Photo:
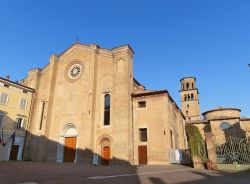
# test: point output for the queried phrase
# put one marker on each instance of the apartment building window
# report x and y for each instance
(4, 98)
(20, 122)
(1, 120)
(143, 135)
(107, 109)
(142, 104)
(23, 103)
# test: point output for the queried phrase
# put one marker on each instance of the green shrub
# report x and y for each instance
(196, 142)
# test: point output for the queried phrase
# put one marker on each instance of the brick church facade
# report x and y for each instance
(87, 102)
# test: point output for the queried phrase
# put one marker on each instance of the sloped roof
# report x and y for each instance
(16, 84)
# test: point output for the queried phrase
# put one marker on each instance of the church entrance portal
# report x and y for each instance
(69, 149)
(67, 146)
(105, 151)
(105, 155)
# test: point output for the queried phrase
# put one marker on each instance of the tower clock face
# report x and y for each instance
(75, 71)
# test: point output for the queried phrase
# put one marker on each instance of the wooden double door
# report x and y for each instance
(69, 149)
(105, 155)
(143, 155)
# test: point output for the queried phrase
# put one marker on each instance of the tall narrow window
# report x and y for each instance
(143, 135)
(192, 96)
(171, 139)
(41, 118)
(107, 109)
(187, 85)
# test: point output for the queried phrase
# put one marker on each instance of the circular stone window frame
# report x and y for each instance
(69, 66)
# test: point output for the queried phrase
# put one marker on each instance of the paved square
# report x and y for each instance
(52, 173)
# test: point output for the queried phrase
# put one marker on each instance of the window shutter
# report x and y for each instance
(2, 98)
(6, 98)
(23, 103)
(16, 125)
(20, 105)
(1, 120)
(24, 123)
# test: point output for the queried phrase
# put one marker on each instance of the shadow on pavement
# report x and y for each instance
(41, 155)
(205, 177)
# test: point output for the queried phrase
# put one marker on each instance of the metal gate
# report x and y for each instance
(234, 150)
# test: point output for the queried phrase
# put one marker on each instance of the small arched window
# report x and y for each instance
(187, 85)
(189, 97)
(107, 109)
(224, 125)
(192, 96)
(185, 97)
(192, 85)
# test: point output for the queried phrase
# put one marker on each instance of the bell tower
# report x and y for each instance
(190, 104)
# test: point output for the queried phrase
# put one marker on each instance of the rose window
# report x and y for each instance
(75, 71)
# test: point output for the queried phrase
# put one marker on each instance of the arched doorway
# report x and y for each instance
(66, 151)
(69, 149)
(105, 151)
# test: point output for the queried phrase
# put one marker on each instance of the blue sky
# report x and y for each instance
(208, 39)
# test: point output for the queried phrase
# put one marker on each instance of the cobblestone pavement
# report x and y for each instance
(52, 173)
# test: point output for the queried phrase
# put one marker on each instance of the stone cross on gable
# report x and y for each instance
(77, 39)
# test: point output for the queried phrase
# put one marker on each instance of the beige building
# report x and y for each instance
(222, 122)
(87, 103)
(15, 101)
